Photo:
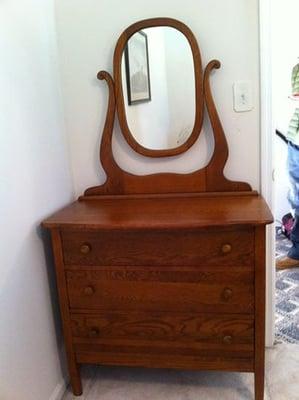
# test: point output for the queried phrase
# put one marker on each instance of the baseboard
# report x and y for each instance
(59, 390)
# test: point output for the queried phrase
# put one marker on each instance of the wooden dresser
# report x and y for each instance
(164, 270)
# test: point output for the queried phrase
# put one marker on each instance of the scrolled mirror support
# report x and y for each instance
(209, 179)
(216, 181)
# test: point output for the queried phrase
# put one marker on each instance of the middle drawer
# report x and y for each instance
(162, 289)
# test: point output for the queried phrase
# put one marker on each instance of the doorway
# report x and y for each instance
(279, 54)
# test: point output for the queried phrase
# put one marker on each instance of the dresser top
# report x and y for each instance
(162, 213)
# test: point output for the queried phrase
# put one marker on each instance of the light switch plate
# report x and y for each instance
(243, 96)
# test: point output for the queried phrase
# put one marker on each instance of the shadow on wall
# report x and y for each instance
(32, 339)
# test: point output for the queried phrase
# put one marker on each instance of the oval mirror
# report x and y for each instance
(160, 107)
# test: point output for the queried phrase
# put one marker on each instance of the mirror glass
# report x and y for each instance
(159, 87)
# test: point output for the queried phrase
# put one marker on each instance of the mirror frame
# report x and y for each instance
(198, 78)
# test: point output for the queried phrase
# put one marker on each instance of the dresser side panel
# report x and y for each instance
(65, 314)
(260, 300)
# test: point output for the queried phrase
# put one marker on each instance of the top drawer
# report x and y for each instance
(190, 248)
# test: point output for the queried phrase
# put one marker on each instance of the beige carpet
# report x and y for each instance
(282, 382)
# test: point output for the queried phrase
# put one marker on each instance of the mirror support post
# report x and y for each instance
(215, 179)
(210, 179)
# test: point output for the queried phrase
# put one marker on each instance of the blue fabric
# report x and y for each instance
(293, 169)
(294, 250)
(293, 196)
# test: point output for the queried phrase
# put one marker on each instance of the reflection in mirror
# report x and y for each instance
(159, 87)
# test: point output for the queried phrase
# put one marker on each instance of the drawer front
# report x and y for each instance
(162, 289)
(225, 331)
(207, 248)
(187, 336)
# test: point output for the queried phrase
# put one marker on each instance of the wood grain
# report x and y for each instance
(183, 349)
(208, 179)
(166, 213)
(215, 179)
(73, 366)
(165, 328)
(159, 248)
(260, 299)
(90, 355)
(163, 270)
(201, 295)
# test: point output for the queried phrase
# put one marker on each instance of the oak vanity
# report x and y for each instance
(162, 270)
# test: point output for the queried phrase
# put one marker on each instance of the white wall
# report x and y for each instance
(149, 131)
(87, 33)
(285, 55)
(34, 181)
(157, 124)
(181, 86)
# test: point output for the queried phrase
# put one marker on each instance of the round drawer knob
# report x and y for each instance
(226, 248)
(227, 339)
(85, 248)
(94, 332)
(88, 290)
(227, 294)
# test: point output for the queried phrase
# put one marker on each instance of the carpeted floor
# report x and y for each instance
(287, 298)
(113, 383)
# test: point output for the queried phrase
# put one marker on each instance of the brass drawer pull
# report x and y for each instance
(227, 339)
(85, 248)
(94, 332)
(88, 290)
(227, 294)
(226, 248)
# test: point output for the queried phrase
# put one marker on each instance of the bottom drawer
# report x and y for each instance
(165, 340)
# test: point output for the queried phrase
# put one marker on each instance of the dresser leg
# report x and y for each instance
(259, 384)
(75, 379)
(260, 290)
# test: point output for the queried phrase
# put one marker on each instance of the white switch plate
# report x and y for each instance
(242, 96)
